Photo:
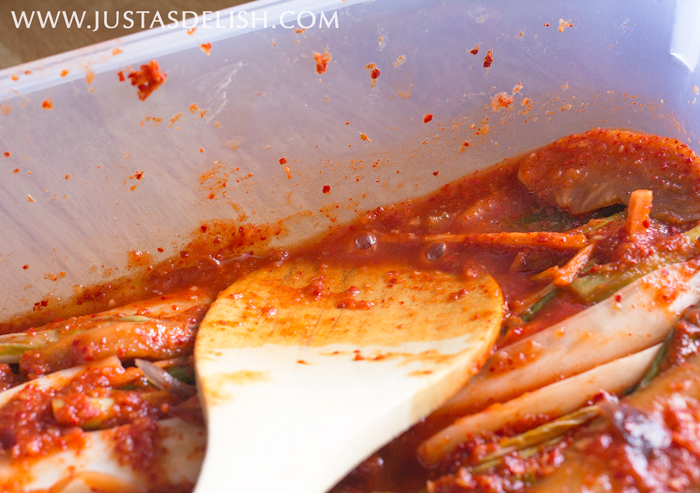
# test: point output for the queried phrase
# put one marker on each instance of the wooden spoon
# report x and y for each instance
(304, 370)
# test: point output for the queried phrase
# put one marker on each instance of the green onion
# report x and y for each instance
(594, 288)
(547, 433)
(655, 366)
(538, 305)
(597, 224)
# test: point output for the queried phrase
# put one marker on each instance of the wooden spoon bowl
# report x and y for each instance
(304, 370)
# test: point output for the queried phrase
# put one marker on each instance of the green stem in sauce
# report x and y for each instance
(593, 288)
(553, 432)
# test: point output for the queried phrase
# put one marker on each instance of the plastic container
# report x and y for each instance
(208, 143)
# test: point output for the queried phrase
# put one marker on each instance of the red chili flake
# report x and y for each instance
(283, 160)
(7, 153)
(120, 74)
(347, 123)
(15, 171)
(546, 24)
(68, 176)
(184, 254)
(160, 250)
(435, 173)
(201, 150)
(326, 188)
(148, 79)
(474, 50)
(25, 267)
(64, 73)
(364, 137)
(465, 144)
(302, 362)
(47, 104)
(206, 48)
(191, 31)
(322, 62)
(427, 117)
(203, 228)
(488, 59)
(375, 73)
(618, 298)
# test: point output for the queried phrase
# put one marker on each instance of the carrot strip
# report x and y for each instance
(638, 212)
(566, 274)
(555, 241)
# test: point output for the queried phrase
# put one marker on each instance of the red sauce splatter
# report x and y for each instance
(474, 50)
(435, 173)
(283, 160)
(488, 59)
(120, 74)
(322, 62)
(427, 117)
(116, 51)
(7, 153)
(501, 100)
(191, 31)
(564, 24)
(147, 79)
(206, 48)
(546, 24)
(47, 104)
(326, 188)
(25, 267)
(64, 73)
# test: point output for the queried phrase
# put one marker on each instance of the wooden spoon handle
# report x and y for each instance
(330, 416)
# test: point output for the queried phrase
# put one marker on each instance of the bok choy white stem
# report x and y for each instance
(560, 398)
(634, 319)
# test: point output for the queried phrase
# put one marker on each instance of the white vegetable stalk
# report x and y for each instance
(180, 452)
(58, 379)
(557, 399)
(635, 318)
